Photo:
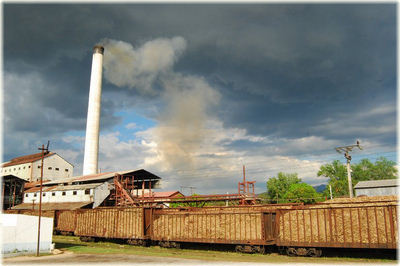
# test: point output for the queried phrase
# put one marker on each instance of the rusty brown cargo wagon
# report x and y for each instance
(65, 222)
(122, 223)
(248, 230)
(347, 226)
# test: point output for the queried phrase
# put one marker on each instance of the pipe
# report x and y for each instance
(90, 161)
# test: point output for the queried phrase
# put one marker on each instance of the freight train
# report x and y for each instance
(295, 229)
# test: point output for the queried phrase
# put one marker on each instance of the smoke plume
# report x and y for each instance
(182, 122)
(125, 66)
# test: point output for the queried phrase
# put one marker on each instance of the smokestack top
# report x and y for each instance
(98, 49)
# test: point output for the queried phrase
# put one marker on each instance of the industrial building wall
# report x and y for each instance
(381, 191)
(20, 233)
(21, 170)
(55, 168)
(48, 197)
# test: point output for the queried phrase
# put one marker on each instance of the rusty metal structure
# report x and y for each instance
(246, 188)
(297, 229)
(126, 186)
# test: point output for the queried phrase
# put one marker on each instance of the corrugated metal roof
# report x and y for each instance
(37, 189)
(34, 184)
(77, 187)
(26, 159)
(63, 188)
(52, 206)
(139, 174)
(377, 183)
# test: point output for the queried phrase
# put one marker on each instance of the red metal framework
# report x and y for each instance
(123, 194)
(123, 187)
(246, 188)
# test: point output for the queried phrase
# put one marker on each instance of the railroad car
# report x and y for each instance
(302, 230)
(306, 230)
(131, 224)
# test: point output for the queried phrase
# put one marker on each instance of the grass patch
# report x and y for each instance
(73, 244)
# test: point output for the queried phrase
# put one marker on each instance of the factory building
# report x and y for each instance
(28, 167)
(89, 191)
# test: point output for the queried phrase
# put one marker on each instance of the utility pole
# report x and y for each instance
(345, 150)
(45, 151)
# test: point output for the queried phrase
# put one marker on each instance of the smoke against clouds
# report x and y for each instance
(187, 98)
(125, 66)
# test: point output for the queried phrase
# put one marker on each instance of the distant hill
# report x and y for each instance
(320, 188)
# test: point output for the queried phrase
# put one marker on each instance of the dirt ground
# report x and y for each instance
(71, 251)
(98, 259)
(70, 258)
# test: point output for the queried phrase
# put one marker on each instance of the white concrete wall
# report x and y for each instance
(54, 162)
(22, 170)
(47, 197)
(100, 194)
(20, 233)
(28, 170)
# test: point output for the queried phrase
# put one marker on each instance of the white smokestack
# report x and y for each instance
(93, 117)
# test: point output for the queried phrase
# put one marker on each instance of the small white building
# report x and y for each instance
(19, 233)
(385, 187)
(94, 193)
(28, 167)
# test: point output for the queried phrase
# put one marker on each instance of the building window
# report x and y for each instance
(29, 166)
(26, 195)
(74, 192)
(57, 169)
(24, 167)
(38, 166)
(34, 194)
(15, 169)
(53, 193)
(87, 191)
(19, 168)
(50, 168)
(66, 170)
(44, 194)
(64, 193)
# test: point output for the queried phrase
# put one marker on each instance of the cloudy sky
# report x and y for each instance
(191, 92)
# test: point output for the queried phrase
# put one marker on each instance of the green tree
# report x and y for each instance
(197, 204)
(362, 171)
(337, 174)
(301, 192)
(278, 186)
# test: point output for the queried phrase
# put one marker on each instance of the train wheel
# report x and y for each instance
(143, 243)
(261, 250)
(291, 252)
(239, 248)
(164, 244)
(314, 252)
(175, 245)
(131, 241)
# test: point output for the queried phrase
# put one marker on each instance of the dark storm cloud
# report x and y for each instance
(283, 70)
